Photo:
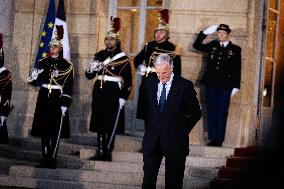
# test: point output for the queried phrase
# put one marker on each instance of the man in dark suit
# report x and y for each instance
(172, 110)
(143, 61)
(222, 78)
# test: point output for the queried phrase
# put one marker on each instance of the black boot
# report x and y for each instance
(99, 156)
(43, 163)
(108, 156)
(52, 164)
(44, 157)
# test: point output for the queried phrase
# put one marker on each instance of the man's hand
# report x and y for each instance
(121, 103)
(210, 30)
(234, 91)
(63, 110)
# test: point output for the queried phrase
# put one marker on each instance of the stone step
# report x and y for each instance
(210, 151)
(65, 161)
(195, 150)
(32, 143)
(92, 176)
(74, 144)
(199, 172)
(26, 182)
(5, 164)
(123, 143)
(129, 160)
(125, 167)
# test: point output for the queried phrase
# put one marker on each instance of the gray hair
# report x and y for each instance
(163, 59)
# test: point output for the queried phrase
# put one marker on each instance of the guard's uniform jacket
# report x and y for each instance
(112, 81)
(5, 97)
(148, 54)
(223, 68)
(56, 87)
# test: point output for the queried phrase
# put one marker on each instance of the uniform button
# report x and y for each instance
(219, 58)
(218, 63)
(217, 68)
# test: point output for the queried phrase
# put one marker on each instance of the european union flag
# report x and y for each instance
(46, 33)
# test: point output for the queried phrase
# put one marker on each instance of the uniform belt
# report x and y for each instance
(52, 86)
(109, 78)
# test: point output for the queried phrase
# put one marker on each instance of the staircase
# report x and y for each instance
(18, 160)
(251, 167)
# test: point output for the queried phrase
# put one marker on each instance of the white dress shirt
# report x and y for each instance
(168, 87)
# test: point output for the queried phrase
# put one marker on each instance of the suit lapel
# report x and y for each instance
(154, 94)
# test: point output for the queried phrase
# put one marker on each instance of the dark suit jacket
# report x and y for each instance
(170, 129)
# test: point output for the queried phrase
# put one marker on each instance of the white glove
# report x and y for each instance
(210, 30)
(142, 69)
(234, 91)
(3, 118)
(121, 103)
(63, 110)
(94, 66)
(34, 75)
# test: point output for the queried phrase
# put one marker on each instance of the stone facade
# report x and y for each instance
(22, 22)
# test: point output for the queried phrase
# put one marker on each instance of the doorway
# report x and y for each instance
(272, 67)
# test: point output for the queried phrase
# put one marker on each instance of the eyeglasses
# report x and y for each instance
(163, 74)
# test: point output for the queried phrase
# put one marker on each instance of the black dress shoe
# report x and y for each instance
(52, 164)
(98, 157)
(108, 157)
(214, 143)
(41, 165)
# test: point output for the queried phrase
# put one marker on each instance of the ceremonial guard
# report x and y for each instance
(111, 72)
(143, 62)
(5, 95)
(222, 78)
(54, 76)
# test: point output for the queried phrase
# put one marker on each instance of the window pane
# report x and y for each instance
(271, 29)
(129, 30)
(273, 4)
(152, 22)
(128, 3)
(154, 2)
(268, 83)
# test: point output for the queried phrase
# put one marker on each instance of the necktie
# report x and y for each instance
(163, 98)
(222, 45)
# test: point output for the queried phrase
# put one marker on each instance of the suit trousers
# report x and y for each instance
(174, 169)
(217, 105)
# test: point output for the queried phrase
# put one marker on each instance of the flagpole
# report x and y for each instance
(32, 33)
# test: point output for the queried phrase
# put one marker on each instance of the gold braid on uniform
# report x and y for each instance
(158, 51)
(115, 64)
(105, 69)
(63, 75)
(5, 80)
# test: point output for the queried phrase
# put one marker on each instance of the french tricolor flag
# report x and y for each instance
(61, 20)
